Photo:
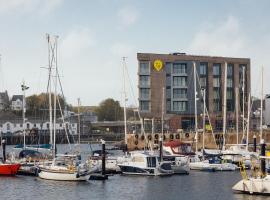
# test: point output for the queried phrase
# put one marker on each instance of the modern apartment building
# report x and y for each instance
(166, 85)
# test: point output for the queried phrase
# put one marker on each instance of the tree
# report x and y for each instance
(109, 110)
(38, 105)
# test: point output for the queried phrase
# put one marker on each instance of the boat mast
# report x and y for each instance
(50, 89)
(261, 117)
(249, 100)
(236, 108)
(125, 99)
(23, 111)
(204, 111)
(195, 106)
(243, 101)
(79, 122)
(162, 115)
(225, 107)
(55, 95)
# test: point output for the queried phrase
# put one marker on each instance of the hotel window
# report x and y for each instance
(216, 82)
(168, 93)
(27, 125)
(144, 93)
(179, 81)
(179, 68)
(168, 105)
(144, 105)
(168, 68)
(216, 94)
(179, 93)
(229, 94)
(144, 67)
(203, 82)
(8, 127)
(145, 81)
(179, 105)
(217, 105)
(203, 68)
(216, 70)
(230, 70)
(229, 83)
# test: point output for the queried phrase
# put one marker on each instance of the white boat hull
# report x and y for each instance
(62, 176)
(253, 186)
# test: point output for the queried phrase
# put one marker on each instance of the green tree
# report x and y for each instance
(109, 110)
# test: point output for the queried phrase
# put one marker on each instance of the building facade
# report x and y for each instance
(4, 101)
(166, 85)
(17, 102)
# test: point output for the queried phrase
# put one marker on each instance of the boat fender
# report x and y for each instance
(142, 137)
(136, 136)
(187, 135)
(171, 136)
(149, 137)
(136, 142)
(77, 175)
(156, 136)
(177, 136)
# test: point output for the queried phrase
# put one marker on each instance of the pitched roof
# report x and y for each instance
(15, 97)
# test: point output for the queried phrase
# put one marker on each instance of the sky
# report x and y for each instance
(94, 35)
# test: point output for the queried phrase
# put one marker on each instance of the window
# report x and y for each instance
(179, 81)
(230, 70)
(168, 93)
(144, 93)
(216, 82)
(179, 105)
(203, 68)
(203, 82)
(145, 81)
(229, 94)
(179, 68)
(216, 94)
(35, 125)
(216, 70)
(217, 105)
(144, 67)
(8, 127)
(179, 93)
(168, 68)
(168, 105)
(27, 125)
(229, 83)
(144, 105)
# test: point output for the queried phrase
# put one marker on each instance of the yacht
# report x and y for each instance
(145, 163)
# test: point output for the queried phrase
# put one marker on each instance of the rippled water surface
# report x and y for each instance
(197, 185)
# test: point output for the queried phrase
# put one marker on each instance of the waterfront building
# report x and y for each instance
(171, 76)
(17, 102)
(4, 101)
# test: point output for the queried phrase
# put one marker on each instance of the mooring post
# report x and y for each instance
(254, 143)
(4, 150)
(263, 159)
(161, 149)
(103, 172)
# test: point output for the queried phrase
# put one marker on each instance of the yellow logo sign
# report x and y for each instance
(158, 65)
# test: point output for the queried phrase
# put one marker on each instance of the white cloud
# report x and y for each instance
(77, 42)
(229, 39)
(128, 16)
(22, 6)
(224, 39)
(121, 49)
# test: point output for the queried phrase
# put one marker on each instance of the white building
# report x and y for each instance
(17, 102)
(266, 112)
(13, 127)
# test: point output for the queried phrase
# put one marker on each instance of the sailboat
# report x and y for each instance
(67, 167)
(204, 161)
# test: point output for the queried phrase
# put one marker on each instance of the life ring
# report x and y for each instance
(136, 142)
(177, 136)
(187, 135)
(142, 137)
(149, 137)
(171, 136)
(136, 136)
(156, 136)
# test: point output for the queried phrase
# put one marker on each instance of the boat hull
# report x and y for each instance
(9, 169)
(253, 186)
(62, 176)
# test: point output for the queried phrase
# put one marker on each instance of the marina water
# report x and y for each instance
(196, 185)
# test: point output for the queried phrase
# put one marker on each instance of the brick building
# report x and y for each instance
(172, 76)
